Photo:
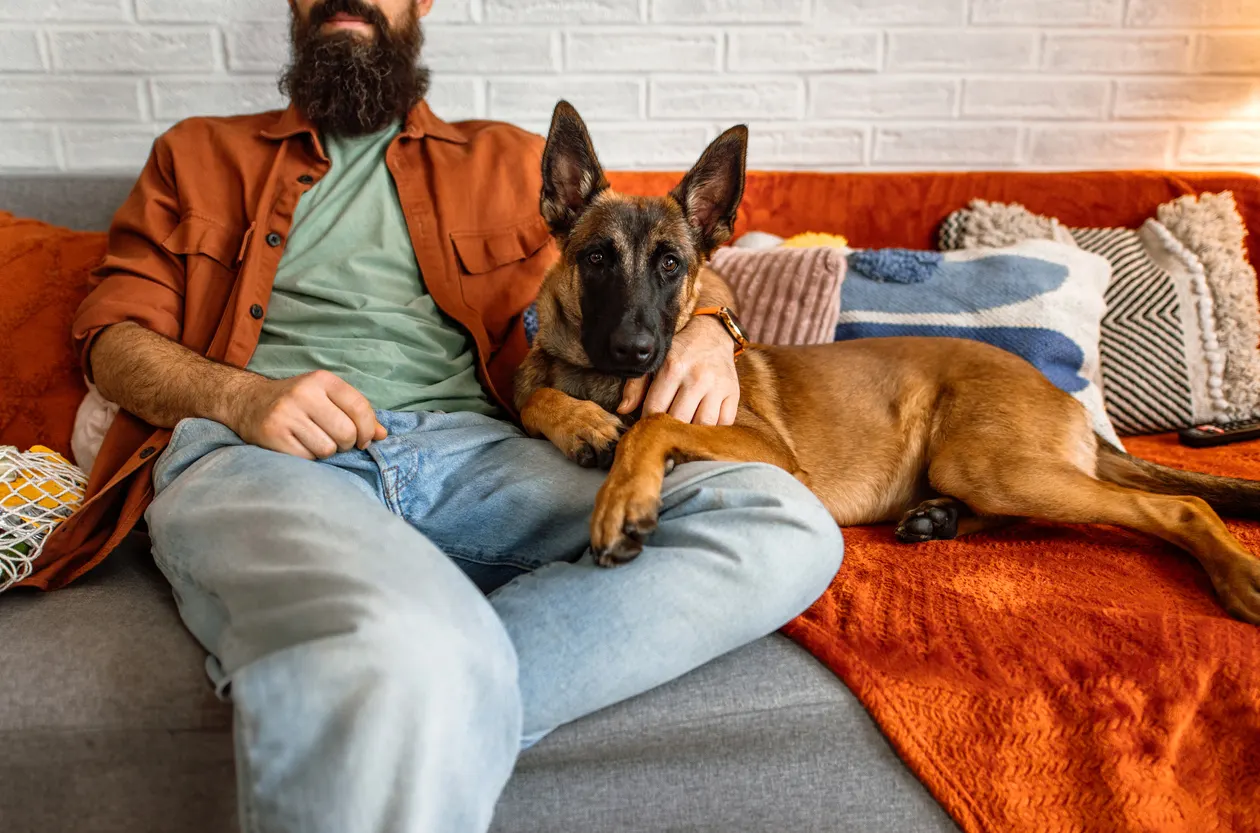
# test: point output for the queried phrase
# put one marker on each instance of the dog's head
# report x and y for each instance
(630, 265)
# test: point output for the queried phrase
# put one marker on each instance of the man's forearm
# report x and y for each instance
(163, 382)
(714, 292)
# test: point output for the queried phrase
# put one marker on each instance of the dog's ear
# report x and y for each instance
(571, 175)
(711, 191)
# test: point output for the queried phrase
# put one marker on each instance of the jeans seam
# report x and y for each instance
(389, 477)
(486, 560)
(245, 782)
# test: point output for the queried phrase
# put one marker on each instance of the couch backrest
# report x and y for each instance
(884, 209)
(879, 210)
(86, 203)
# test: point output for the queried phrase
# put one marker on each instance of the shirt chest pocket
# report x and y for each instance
(501, 270)
(205, 243)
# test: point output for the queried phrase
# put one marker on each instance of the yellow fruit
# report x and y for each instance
(17, 490)
(811, 239)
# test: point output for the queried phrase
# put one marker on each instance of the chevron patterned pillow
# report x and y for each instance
(1165, 360)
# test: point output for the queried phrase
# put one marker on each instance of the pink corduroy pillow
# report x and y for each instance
(785, 296)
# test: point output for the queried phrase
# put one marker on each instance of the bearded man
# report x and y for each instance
(391, 580)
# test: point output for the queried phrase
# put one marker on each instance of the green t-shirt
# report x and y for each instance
(349, 296)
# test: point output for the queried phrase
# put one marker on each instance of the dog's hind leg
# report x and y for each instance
(628, 502)
(942, 519)
(1033, 486)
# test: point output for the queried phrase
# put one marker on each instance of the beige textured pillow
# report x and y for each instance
(785, 296)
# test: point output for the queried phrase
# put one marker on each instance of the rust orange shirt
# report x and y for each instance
(193, 252)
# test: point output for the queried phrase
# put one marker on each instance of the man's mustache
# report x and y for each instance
(323, 12)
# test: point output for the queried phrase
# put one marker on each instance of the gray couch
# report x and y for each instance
(107, 721)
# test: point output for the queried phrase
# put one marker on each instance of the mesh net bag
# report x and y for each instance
(38, 490)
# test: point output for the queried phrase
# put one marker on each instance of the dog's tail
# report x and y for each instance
(1227, 495)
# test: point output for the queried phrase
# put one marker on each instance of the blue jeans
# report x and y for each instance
(393, 625)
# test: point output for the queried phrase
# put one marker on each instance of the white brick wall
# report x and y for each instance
(85, 85)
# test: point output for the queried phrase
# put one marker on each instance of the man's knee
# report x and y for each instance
(211, 478)
(453, 668)
(192, 442)
(787, 542)
(406, 690)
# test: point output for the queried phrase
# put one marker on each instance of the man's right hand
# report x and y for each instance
(311, 416)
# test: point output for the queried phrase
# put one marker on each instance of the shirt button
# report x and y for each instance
(273, 240)
(257, 311)
(306, 179)
(147, 452)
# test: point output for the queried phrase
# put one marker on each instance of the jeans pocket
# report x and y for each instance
(389, 486)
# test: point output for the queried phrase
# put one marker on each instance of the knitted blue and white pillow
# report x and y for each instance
(1039, 299)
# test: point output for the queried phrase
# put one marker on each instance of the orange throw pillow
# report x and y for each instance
(44, 274)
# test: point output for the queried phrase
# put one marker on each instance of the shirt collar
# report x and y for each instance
(420, 123)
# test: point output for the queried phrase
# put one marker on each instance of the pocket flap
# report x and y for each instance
(197, 235)
(484, 251)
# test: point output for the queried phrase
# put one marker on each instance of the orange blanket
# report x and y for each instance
(1053, 678)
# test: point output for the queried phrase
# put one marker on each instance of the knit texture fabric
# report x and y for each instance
(1052, 678)
(43, 275)
(1211, 228)
(1038, 299)
(784, 296)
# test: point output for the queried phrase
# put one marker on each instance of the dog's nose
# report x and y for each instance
(632, 348)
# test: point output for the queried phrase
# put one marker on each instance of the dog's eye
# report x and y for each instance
(669, 264)
(595, 258)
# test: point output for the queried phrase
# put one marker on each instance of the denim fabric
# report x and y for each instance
(393, 625)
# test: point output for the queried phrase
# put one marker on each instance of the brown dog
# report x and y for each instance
(946, 436)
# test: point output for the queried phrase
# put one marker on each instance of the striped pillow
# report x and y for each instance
(785, 296)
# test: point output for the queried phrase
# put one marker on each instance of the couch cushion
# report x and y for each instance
(122, 660)
(764, 739)
(107, 719)
(120, 726)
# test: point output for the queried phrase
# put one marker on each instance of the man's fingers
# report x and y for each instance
(685, 404)
(313, 439)
(288, 443)
(709, 411)
(355, 406)
(730, 409)
(663, 390)
(335, 423)
(632, 394)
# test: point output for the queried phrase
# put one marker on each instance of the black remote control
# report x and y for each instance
(1202, 436)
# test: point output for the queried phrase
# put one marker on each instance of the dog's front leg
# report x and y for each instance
(585, 432)
(627, 504)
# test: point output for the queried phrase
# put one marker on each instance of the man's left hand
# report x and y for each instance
(697, 383)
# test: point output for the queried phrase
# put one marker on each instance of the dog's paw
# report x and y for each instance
(592, 439)
(1238, 586)
(930, 521)
(625, 515)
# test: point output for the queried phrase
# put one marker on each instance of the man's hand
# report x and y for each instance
(311, 416)
(697, 383)
(162, 382)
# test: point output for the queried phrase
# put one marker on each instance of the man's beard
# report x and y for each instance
(350, 86)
